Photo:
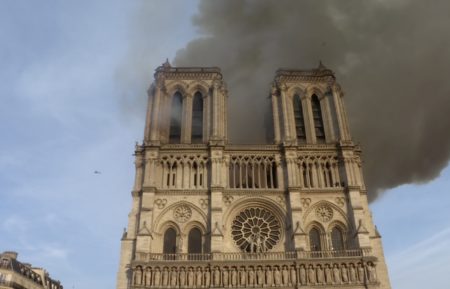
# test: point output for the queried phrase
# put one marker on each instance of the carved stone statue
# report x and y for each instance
(260, 276)
(285, 275)
(320, 277)
(293, 276)
(157, 277)
(336, 274)
(198, 277)
(311, 275)
(173, 277)
(225, 277)
(138, 276)
(328, 276)
(251, 277)
(207, 277)
(269, 277)
(303, 275)
(344, 273)
(216, 276)
(352, 273)
(242, 277)
(165, 277)
(372, 272)
(233, 277)
(277, 276)
(190, 277)
(360, 273)
(182, 277)
(148, 276)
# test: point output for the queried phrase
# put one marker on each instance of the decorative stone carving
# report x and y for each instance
(160, 203)
(190, 277)
(204, 203)
(269, 276)
(251, 277)
(216, 276)
(198, 277)
(340, 201)
(305, 202)
(256, 230)
(227, 199)
(182, 277)
(207, 277)
(336, 274)
(173, 277)
(182, 213)
(242, 277)
(324, 213)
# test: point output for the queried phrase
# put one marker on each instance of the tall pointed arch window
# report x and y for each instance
(299, 120)
(337, 239)
(175, 118)
(197, 118)
(195, 241)
(314, 240)
(170, 242)
(317, 117)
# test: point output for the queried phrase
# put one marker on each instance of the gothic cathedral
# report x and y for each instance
(210, 214)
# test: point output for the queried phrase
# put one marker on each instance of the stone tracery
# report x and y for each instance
(256, 230)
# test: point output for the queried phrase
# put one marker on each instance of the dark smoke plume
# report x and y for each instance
(392, 58)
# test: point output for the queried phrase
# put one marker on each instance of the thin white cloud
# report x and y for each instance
(422, 265)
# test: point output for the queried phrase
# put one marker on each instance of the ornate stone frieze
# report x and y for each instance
(324, 213)
(182, 213)
(256, 230)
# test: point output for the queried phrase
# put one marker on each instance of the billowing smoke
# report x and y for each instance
(392, 58)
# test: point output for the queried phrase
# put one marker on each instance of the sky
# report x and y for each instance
(72, 82)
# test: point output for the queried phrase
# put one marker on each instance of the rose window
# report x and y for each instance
(256, 230)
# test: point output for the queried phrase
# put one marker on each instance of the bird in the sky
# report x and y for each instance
(97, 172)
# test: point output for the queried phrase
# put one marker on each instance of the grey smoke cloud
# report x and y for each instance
(391, 57)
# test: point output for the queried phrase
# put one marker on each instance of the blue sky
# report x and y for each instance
(66, 79)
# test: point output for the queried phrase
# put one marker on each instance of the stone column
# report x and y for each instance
(156, 110)
(308, 119)
(276, 116)
(186, 124)
(340, 113)
(148, 121)
(286, 123)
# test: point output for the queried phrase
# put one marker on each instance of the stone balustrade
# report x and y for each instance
(280, 269)
(233, 256)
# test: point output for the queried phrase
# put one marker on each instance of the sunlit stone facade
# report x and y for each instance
(207, 213)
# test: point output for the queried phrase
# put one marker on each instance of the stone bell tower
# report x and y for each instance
(207, 213)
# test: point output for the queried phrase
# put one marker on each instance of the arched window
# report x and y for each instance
(175, 118)
(197, 118)
(195, 241)
(170, 242)
(317, 117)
(337, 239)
(299, 120)
(314, 240)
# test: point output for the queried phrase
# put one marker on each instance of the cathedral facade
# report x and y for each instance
(207, 213)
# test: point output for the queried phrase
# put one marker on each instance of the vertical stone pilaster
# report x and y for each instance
(155, 117)
(276, 116)
(285, 106)
(148, 118)
(308, 118)
(327, 119)
(186, 125)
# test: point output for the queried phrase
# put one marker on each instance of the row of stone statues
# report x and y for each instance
(254, 276)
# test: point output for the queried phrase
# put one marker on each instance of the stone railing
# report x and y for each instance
(238, 256)
(275, 269)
